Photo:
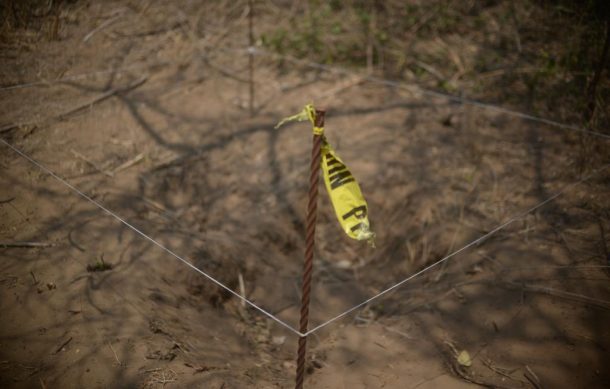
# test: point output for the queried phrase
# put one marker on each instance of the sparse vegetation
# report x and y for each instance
(540, 56)
(99, 265)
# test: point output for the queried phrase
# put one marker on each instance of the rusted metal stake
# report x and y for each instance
(310, 235)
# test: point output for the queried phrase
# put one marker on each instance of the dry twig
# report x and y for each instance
(114, 352)
(101, 27)
(26, 244)
(64, 344)
(502, 372)
(128, 164)
(90, 162)
(560, 293)
(532, 377)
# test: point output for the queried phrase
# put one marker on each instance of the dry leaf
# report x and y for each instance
(464, 359)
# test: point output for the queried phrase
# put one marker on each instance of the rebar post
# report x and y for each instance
(312, 208)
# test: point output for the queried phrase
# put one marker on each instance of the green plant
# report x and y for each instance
(99, 265)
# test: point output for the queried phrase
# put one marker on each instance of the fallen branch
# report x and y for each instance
(103, 97)
(81, 107)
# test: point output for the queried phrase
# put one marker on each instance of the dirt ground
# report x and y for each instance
(132, 105)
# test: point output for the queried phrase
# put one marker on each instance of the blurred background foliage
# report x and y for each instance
(542, 56)
(546, 57)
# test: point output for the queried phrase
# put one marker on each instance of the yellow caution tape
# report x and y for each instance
(343, 189)
(308, 113)
(349, 204)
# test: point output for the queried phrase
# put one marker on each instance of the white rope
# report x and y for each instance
(474, 242)
(402, 85)
(255, 50)
(147, 237)
(263, 311)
